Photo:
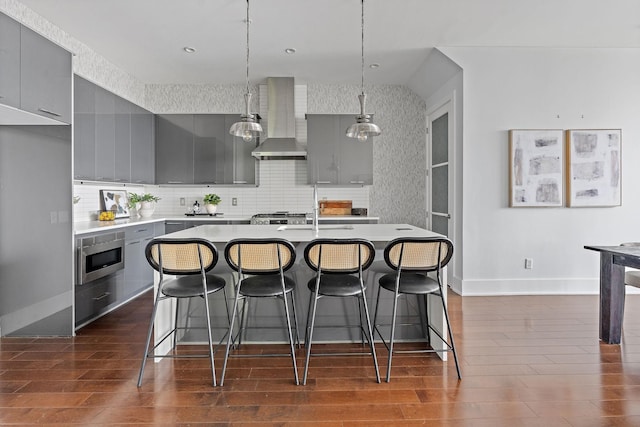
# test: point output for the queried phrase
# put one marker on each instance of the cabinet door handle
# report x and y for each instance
(323, 182)
(133, 243)
(53, 113)
(141, 230)
(239, 182)
(175, 182)
(356, 182)
(103, 296)
(174, 223)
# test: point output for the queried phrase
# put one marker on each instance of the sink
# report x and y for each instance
(320, 227)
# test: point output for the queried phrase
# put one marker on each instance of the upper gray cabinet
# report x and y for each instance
(113, 138)
(143, 160)
(198, 149)
(332, 157)
(35, 76)
(9, 61)
(45, 77)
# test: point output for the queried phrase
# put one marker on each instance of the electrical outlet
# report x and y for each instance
(528, 263)
(182, 201)
(54, 217)
(234, 201)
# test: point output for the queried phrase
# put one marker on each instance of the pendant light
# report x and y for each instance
(247, 127)
(363, 128)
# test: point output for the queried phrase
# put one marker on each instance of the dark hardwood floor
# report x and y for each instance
(526, 361)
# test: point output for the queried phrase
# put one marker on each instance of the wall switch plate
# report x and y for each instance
(528, 263)
(234, 201)
(182, 201)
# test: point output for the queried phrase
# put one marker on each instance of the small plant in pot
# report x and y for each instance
(144, 204)
(211, 202)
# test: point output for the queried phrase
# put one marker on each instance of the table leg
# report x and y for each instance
(611, 299)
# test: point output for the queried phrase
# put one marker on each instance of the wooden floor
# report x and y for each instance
(526, 361)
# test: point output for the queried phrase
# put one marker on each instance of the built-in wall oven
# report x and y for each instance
(99, 256)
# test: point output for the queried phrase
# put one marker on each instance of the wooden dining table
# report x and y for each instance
(613, 260)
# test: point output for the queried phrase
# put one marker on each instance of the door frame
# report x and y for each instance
(446, 105)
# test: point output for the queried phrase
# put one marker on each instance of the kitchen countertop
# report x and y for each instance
(87, 227)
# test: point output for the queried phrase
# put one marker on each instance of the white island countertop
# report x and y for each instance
(380, 233)
(87, 227)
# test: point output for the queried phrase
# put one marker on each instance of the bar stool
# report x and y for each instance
(190, 260)
(261, 265)
(338, 265)
(412, 259)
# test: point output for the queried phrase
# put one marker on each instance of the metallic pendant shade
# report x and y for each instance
(363, 128)
(247, 128)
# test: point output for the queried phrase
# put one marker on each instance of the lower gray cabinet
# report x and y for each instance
(138, 274)
(95, 298)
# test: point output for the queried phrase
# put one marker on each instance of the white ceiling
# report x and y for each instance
(146, 37)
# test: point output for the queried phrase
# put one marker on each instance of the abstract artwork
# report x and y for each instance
(536, 163)
(116, 201)
(594, 175)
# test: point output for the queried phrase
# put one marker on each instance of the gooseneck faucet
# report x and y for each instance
(315, 207)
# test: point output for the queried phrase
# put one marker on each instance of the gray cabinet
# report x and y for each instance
(198, 149)
(45, 77)
(105, 134)
(9, 61)
(122, 144)
(174, 149)
(173, 226)
(332, 157)
(138, 275)
(113, 138)
(143, 163)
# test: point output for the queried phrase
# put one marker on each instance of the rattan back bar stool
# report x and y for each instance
(338, 265)
(412, 259)
(261, 265)
(184, 266)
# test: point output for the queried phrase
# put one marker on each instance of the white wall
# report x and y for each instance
(534, 88)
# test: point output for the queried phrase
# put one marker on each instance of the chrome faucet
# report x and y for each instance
(315, 207)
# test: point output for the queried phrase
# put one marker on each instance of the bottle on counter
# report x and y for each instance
(196, 207)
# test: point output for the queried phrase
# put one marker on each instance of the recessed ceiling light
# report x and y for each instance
(374, 65)
(189, 49)
(290, 51)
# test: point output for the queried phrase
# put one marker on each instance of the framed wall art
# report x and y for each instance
(594, 161)
(536, 168)
(116, 201)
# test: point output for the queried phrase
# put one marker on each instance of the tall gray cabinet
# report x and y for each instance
(36, 245)
(332, 157)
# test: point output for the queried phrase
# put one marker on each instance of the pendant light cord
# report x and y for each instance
(248, 46)
(362, 51)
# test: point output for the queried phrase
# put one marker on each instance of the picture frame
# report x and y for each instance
(594, 167)
(116, 201)
(536, 167)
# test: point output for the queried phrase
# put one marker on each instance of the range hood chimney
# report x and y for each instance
(281, 140)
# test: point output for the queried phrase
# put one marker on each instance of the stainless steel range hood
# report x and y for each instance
(281, 140)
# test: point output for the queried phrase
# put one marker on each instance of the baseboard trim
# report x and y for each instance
(482, 287)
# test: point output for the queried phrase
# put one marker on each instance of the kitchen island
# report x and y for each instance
(332, 313)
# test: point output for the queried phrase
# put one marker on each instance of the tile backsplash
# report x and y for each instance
(283, 187)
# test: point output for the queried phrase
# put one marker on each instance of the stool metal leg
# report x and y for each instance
(312, 317)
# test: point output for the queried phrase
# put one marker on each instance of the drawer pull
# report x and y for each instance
(103, 296)
(239, 182)
(44, 110)
(356, 182)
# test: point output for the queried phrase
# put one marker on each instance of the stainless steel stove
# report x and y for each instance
(287, 218)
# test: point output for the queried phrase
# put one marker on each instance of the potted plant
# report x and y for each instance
(144, 204)
(211, 202)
